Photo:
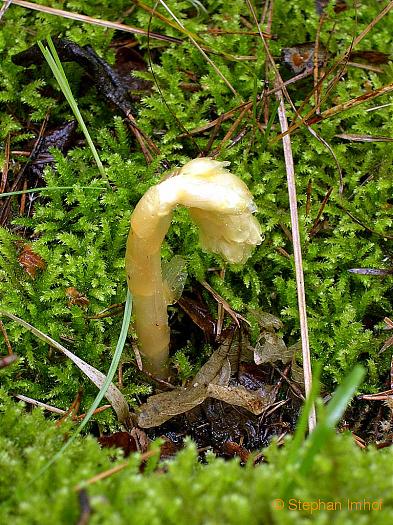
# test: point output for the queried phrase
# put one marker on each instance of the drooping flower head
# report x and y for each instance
(219, 202)
(222, 207)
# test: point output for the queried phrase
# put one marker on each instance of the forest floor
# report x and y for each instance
(156, 85)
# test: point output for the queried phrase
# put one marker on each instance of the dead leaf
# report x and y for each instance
(212, 371)
(122, 440)
(211, 381)
(251, 400)
(76, 297)
(31, 261)
(162, 407)
(269, 347)
(267, 321)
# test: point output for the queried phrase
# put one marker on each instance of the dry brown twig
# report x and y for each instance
(36, 403)
(56, 410)
(117, 468)
(6, 338)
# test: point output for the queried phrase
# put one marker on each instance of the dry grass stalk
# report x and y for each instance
(281, 91)
(297, 256)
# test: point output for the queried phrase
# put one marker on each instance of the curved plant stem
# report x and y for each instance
(222, 207)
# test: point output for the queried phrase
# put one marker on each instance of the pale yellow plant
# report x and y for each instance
(222, 207)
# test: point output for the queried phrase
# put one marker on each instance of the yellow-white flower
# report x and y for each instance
(222, 207)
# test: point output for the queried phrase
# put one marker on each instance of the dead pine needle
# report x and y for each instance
(6, 338)
(36, 403)
(289, 165)
(114, 470)
(90, 20)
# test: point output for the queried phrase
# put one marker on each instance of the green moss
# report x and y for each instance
(81, 233)
(181, 491)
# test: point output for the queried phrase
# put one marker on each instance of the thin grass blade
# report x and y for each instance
(49, 188)
(112, 393)
(54, 63)
(104, 388)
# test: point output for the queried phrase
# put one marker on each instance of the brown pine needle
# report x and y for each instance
(114, 470)
(6, 338)
(36, 403)
(351, 103)
(96, 411)
(93, 21)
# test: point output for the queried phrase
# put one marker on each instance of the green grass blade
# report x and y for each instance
(50, 188)
(101, 393)
(300, 458)
(335, 410)
(115, 361)
(343, 396)
(269, 125)
(54, 63)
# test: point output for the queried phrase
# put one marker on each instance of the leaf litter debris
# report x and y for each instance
(220, 379)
